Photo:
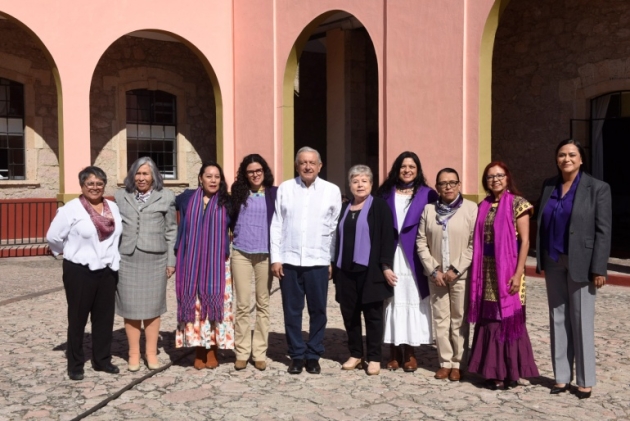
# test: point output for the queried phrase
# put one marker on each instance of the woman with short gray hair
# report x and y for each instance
(87, 231)
(147, 257)
(365, 254)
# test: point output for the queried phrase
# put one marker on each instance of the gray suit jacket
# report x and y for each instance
(589, 227)
(151, 227)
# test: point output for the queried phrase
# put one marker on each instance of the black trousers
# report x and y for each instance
(350, 290)
(92, 293)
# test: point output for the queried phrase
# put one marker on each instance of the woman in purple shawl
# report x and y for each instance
(501, 350)
(203, 283)
(407, 316)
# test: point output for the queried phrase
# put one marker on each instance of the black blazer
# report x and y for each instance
(589, 227)
(381, 225)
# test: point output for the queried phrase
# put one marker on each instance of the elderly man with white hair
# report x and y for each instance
(302, 249)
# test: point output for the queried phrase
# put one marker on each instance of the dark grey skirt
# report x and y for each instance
(141, 292)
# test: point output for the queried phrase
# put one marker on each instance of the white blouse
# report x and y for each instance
(73, 233)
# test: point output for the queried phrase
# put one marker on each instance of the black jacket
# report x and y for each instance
(381, 225)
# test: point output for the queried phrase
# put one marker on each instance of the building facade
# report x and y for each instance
(460, 82)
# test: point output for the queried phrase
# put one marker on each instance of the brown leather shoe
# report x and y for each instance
(240, 364)
(200, 358)
(260, 365)
(410, 364)
(395, 356)
(455, 375)
(211, 357)
(442, 373)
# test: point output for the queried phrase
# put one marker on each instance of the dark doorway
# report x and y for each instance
(616, 136)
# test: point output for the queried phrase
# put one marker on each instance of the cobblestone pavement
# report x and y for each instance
(34, 385)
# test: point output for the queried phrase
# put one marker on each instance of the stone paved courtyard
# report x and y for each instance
(34, 385)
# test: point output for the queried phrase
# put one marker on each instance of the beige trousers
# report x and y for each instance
(449, 305)
(246, 266)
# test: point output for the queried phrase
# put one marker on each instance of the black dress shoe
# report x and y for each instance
(76, 374)
(581, 394)
(107, 368)
(312, 367)
(557, 389)
(296, 366)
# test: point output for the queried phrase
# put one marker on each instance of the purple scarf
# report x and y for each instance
(506, 255)
(104, 223)
(362, 244)
(201, 260)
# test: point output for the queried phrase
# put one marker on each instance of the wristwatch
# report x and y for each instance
(455, 271)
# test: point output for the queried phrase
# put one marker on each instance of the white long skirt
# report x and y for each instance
(407, 317)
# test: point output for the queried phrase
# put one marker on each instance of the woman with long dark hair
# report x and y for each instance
(408, 312)
(253, 203)
(501, 350)
(203, 280)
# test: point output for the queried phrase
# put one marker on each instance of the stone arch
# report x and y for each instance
(485, 88)
(320, 23)
(156, 60)
(25, 59)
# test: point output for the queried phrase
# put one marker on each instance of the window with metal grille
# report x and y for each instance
(12, 154)
(152, 129)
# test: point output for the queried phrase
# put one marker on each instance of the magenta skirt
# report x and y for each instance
(493, 359)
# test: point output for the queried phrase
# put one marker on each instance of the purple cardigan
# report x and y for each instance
(409, 232)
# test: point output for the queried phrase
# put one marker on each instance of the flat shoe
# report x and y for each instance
(76, 375)
(296, 366)
(260, 365)
(133, 368)
(352, 364)
(312, 366)
(442, 373)
(558, 389)
(494, 384)
(455, 375)
(373, 368)
(582, 394)
(108, 368)
(240, 364)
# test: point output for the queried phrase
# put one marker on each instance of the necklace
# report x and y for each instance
(353, 214)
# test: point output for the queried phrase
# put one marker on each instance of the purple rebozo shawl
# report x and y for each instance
(201, 260)
(510, 312)
(362, 244)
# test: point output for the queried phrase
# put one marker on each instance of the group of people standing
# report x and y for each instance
(408, 258)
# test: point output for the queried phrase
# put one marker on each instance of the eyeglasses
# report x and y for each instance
(255, 172)
(444, 184)
(95, 185)
(497, 176)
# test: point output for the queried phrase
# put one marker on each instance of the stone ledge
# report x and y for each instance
(20, 183)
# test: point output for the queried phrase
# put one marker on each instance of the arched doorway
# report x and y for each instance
(29, 117)
(332, 81)
(153, 94)
(610, 147)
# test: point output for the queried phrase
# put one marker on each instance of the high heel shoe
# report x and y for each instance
(555, 390)
(352, 364)
(582, 394)
(373, 368)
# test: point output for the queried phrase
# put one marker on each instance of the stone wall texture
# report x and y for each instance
(133, 60)
(21, 57)
(550, 58)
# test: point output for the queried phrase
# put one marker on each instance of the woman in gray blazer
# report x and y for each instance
(147, 256)
(572, 247)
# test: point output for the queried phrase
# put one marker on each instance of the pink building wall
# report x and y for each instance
(427, 53)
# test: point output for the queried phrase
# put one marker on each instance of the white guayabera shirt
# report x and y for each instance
(304, 223)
